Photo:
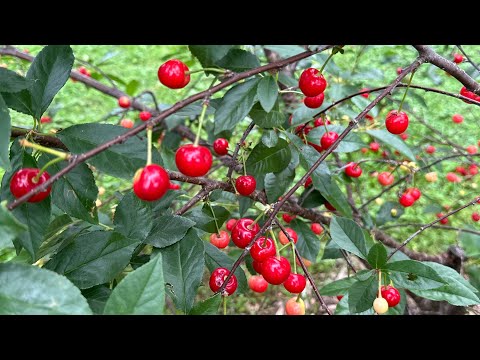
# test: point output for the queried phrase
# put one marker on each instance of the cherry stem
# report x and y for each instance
(406, 91)
(206, 69)
(294, 257)
(326, 62)
(243, 161)
(224, 305)
(298, 297)
(200, 122)
(45, 167)
(59, 154)
(277, 250)
(214, 218)
(379, 283)
(255, 221)
(149, 145)
(35, 125)
(325, 125)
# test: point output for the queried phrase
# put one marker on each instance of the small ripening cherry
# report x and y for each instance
(374, 146)
(353, 170)
(245, 184)
(476, 216)
(45, 120)
(257, 283)
(365, 95)
(230, 224)
(220, 146)
(316, 228)
(430, 149)
(145, 115)
(380, 305)
(124, 102)
(472, 149)
(457, 118)
(443, 221)
(385, 178)
(295, 283)
(457, 58)
(314, 102)
(295, 307)
(220, 240)
(406, 200)
(127, 123)
(329, 206)
(287, 217)
(328, 139)
(283, 238)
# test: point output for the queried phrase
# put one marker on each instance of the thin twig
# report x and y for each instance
(443, 227)
(237, 149)
(468, 58)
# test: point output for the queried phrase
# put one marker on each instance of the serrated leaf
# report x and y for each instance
(141, 292)
(414, 275)
(377, 256)
(267, 120)
(93, 258)
(19, 101)
(276, 184)
(362, 294)
(168, 230)
(393, 141)
(133, 217)
(204, 218)
(10, 227)
(263, 159)
(5, 130)
(207, 307)
(348, 236)
(308, 243)
(183, 264)
(235, 105)
(267, 92)
(11, 82)
(238, 60)
(338, 287)
(29, 290)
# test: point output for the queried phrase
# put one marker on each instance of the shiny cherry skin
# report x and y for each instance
(217, 279)
(124, 102)
(473, 169)
(469, 94)
(145, 115)
(380, 305)
(399, 70)
(461, 170)
(328, 139)
(476, 216)
(406, 200)
(294, 307)
(308, 182)
(174, 186)
(472, 149)
(365, 95)
(24, 180)
(457, 58)
(220, 240)
(396, 122)
(319, 122)
(457, 118)
(245, 184)
(84, 71)
(311, 83)
(339, 297)
(257, 283)
(385, 178)
(262, 249)
(430, 149)
(243, 232)
(329, 206)
(374, 146)
(151, 182)
(316, 228)
(230, 224)
(45, 120)
(257, 266)
(173, 75)
(283, 238)
(415, 192)
(287, 217)
(314, 102)
(127, 123)
(452, 177)
(353, 170)
(391, 294)
(193, 160)
(443, 221)
(295, 283)
(220, 146)
(276, 271)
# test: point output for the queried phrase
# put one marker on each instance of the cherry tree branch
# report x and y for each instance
(468, 58)
(443, 227)
(45, 140)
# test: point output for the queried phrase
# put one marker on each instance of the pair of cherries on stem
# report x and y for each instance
(409, 197)
(312, 84)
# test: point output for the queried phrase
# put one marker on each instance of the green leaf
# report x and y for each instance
(168, 230)
(342, 308)
(348, 236)
(11, 82)
(235, 105)
(377, 256)
(204, 218)
(350, 143)
(308, 243)
(75, 192)
(93, 258)
(132, 87)
(263, 159)
(384, 215)
(362, 294)
(49, 71)
(133, 217)
(457, 291)
(121, 160)
(238, 60)
(10, 227)
(267, 92)
(5, 130)
(276, 184)
(183, 264)
(20, 101)
(285, 50)
(393, 141)
(29, 290)
(470, 242)
(208, 306)
(269, 138)
(208, 55)
(141, 292)
(97, 297)
(414, 275)
(215, 258)
(338, 287)
(244, 204)
(267, 120)
(303, 114)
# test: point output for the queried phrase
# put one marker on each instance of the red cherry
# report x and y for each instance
(415, 192)
(363, 150)
(365, 95)
(319, 122)
(473, 169)
(311, 83)
(287, 217)
(443, 221)
(24, 180)
(406, 200)
(339, 297)
(172, 74)
(369, 117)
(308, 182)
(242, 234)
(314, 102)
(124, 102)
(245, 184)
(385, 178)
(457, 58)
(295, 283)
(257, 266)
(127, 123)
(430, 149)
(404, 136)
(452, 177)
(193, 160)
(283, 238)
(307, 129)
(469, 94)
(395, 122)
(328, 139)
(220, 146)
(45, 119)
(174, 186)
(457, 118)
(231, 223)
(262, 249)
(353, 170)
(257, 283)
(145, 115)
(472, 149)
(399, 70)
(384, 154)
(218, 277)
(316, 228)
(151, 182)
(316, 147)
(461, 170)
(475, 216)
(294, 307)
(329, 206)
(391, 294)
(374, 146)
(276, 271)
(220, 240)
